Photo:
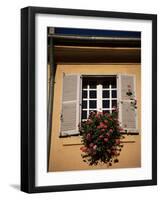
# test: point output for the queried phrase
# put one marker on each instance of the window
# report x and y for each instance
(98, 94)
(83, 94)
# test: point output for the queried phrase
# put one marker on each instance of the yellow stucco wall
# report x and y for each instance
(65, 153)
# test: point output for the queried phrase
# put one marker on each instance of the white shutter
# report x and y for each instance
(127, 112)
(70, 105)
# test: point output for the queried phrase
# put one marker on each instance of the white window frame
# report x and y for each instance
(99, 99)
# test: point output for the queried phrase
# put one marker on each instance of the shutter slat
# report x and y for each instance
(128, 116)
(69, 88)
(127, 113)
(69, 117)
(70, 101)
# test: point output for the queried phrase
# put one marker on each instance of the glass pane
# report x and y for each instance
(112, 82)
(84, 94)
(105, 84)
(92, 94)
(84, 104)
(106, 94)
(109, 80)
(92, 104)
(84, 86)
(106, 103)
(113, 85)
(114, 103)
(84, 114)
(92, 84)
(114, 94)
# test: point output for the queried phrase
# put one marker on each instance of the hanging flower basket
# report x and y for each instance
(101, 138)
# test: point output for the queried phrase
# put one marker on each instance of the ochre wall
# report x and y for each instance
(65, 153)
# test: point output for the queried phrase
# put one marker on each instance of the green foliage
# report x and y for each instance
(101, 135)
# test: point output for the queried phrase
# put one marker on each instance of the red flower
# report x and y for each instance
(106, 139)
(98, 115)
(84, 149)
(108, 135)
(91, 145)
(117, 141)
(110, 131)
(98, 139)
(102, 124)
(114, 152)
(88, 137)
(101, 136)
(105, 126)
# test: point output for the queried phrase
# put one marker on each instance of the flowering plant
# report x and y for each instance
(101, 135)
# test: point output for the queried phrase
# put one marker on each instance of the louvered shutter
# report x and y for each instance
(70, 105)
(127, 96)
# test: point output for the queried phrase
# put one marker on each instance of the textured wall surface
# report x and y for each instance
(65, 153)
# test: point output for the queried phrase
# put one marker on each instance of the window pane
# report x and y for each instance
(92, 104)
(106, 94)
(106, 103)
(92, 86)
(84, 104)
(91, 81)
(84, 114)
(113, 85)
(84, 86)
(114, 103)
(84, 94)
(92, 94)
(107, 81)
(105, 84)
(112, 82)
(114, 94)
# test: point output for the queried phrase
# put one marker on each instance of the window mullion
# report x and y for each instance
(87, 101)
(99, 98)
(110, 98)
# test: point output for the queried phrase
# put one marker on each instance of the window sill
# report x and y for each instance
(71, 140)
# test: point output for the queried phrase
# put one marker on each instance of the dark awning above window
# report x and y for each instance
(95, 46)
